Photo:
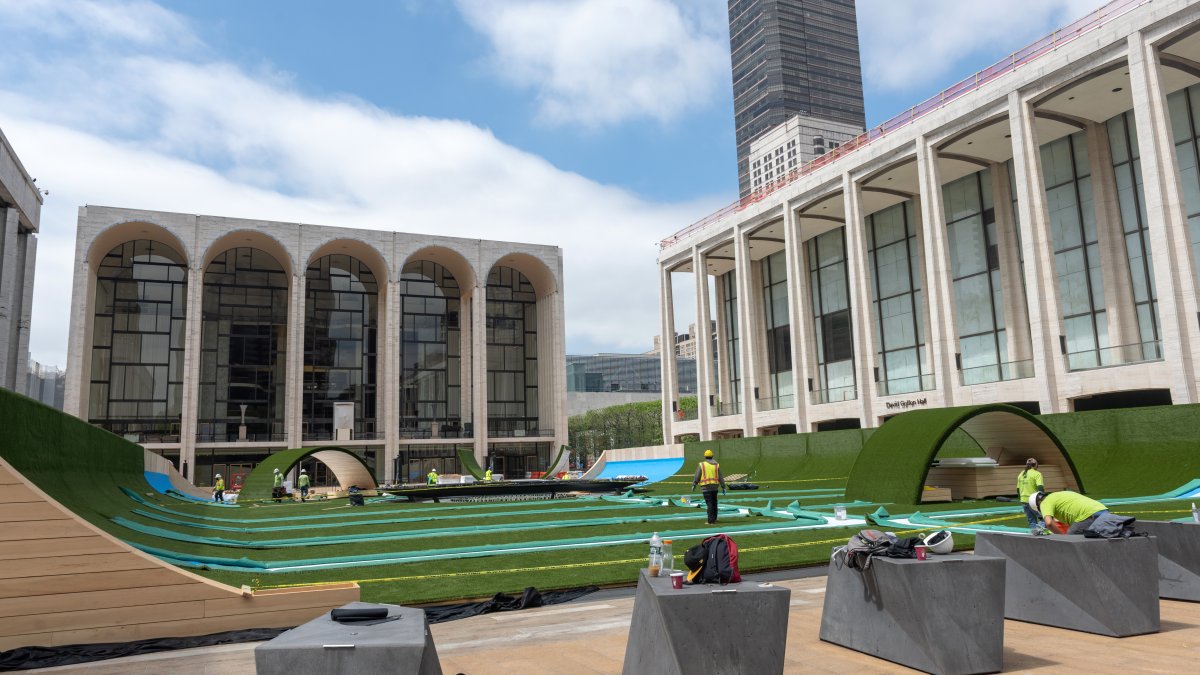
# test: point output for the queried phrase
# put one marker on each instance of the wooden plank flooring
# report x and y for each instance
(589, 637)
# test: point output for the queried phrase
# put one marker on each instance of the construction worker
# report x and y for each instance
(1029, 483)
(708, 477)
(1068, 508)
(432, 478)
(487, 475)
(304, 482)
(219, 489)
(277, 488)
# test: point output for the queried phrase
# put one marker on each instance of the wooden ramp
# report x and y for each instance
(65, 581)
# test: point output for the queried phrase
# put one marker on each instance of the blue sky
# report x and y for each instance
(599, 126)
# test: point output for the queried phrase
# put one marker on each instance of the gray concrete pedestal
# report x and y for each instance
(1178, 558)
(326, 646)
(1104, 586)
(738, 628)
(942, 615)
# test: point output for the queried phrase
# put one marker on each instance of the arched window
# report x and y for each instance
(243, 347)
(137, 341)
(340, 329)
(512, 378)
(430, 361)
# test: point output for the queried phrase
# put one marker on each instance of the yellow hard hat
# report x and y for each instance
(708, 454)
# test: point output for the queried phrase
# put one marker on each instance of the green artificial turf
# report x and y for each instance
(893, 464)
(261, 479)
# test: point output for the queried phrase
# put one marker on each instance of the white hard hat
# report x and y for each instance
(433, 470)
(1033, 501)
(941, 542)
(303, 471)
(218, 475)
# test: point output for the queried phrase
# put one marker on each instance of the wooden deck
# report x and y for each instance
(589, 637)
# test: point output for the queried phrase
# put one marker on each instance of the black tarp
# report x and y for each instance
(528, 599)
(28, 658)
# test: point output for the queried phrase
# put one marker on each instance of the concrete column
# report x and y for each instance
(293, 398)
(558, 367)
(1114, 260)
(748, 328)
(723, 373)
(479, 369)
(192, 331)
(941, 327)
(860, 300)
(667, 360)
(79, 339)
(388, 387)
(1168, 235)
(28, 242)
(10, 296)
(1012, 280)
(1038, 247)
(799, 323)
(703, 343)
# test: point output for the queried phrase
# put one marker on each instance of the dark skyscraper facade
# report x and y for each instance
(792, 57)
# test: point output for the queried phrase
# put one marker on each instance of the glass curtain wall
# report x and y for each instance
(1068, 182)
(243, 347)
(1185, 125)
(430, 353)
(779, 332)
(136, 385)
(732, 406)
(1122, 138)
(830, 283)
(512, 355)
(978, 293)
(341, 301)
(899, 310)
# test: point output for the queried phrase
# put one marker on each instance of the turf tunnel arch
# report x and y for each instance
(895, 460)
(347, 467)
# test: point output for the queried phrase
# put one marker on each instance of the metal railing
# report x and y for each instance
(996, 372)
(441, 433)
(1120, 355)
(233, 438)
(722, 409)
(1047, 44)
(835, 394)
(328, 436)
(906, 385)
(682, 415)
(775, 402)
(520, 433)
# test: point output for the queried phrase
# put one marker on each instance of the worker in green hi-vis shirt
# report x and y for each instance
(1069, 508)
(1029, 483)
(277, 487)
(432, 478)
(304, 482)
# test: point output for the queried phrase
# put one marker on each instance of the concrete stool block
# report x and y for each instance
(738, 628)
(1104, 586)
(323, 646)
(1178, 558)
(941, 615)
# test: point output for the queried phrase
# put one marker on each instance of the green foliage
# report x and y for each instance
(629, 425)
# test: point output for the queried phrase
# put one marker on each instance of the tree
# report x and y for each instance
(629, 425)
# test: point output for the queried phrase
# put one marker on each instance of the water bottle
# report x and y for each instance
(1195, 513)
(668, 557)
(656, 555)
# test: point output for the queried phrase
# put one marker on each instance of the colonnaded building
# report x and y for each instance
(20, 213)
(1031, 235)
(215, 341)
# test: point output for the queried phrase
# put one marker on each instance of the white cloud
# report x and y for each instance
(134, 21)
(601, 62)
(205, 136)
(908, 45)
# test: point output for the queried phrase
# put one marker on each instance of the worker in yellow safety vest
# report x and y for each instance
(708, 477)
(219, 489)
(432, 478)
(488, 474)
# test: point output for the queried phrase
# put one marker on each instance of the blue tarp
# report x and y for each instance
(162, 483)
(653, 469)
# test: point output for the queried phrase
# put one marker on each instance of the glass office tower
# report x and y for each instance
(792, 57)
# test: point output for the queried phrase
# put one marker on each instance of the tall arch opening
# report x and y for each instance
(431, 353)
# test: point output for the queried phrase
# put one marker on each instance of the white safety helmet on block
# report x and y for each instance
(940, 542)
(1033, 501)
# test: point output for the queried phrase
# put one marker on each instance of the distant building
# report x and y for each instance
(788, 58)
(46, 384)
(602, 380)
(685, 343)
(20, 212)
(790, 145)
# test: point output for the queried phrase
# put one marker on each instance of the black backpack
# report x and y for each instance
(713, 561)
(857, 552)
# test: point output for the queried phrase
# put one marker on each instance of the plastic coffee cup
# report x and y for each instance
(920, 549)
(677, 580)
(654, 570)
